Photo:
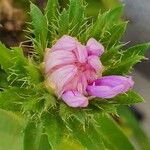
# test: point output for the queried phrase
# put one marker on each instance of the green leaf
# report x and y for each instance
(11, 131)
(115, 14)
(51, 10)
(63, 23)
(33, 72)
(95, 136)
(84, 137)
(10, 99)
(128, 98)
(34, 139)
(108, 144)
(13, 62)
(5, 57)
(131, 122)
(53, 129)
(100, 27)
(19, 61)
(139, 49)
(113, 35)
(19, 99)
(50, 101)
(3, 80)
(111, 55)
(51, 14)
(40, 30)
(23, 67)
(113, 133)
(70, 144)
(76, 16)
(128, 58)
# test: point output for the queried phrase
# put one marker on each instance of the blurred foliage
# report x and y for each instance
(11, 131)
(129, 121)
(94, 6)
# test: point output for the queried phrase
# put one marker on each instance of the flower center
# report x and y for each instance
(82, 66)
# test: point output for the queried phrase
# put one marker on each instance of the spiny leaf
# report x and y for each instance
(128, 98)
(19, 60)
(76, 16)
(101, 106)
(82, 136)
(17, 73)
(5, 57)
(53, 129)
(63, 27)
(95, 136)
(139, 49)
(34, 139)
(20, 99)
(40, 30)
(13, 62)
(82, 115)
(127, 60)
(111, 131)
(31, 104)
(33, 73)
(113, 35)
(115, 14)
(123, 67)
(51, 10)
(20, 67)
(51, 14)
(9, 99)
(111, 55)
(100, 27)
(50, 102)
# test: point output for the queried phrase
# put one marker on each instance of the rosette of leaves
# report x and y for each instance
(44, 122)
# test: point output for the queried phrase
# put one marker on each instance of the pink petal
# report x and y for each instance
(56, 58)
(91, 75)
(110, 86)
(82, 83)
(94, 47)
(75, 99)
(78, 83)
(65, 43)
(62, 76)
(81, 53)
(95, 62)
(115, 80)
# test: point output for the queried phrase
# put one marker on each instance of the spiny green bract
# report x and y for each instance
(22, 80)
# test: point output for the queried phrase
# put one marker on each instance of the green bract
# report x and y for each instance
(42, 121)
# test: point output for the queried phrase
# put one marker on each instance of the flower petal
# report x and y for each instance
(95, 62)
(78, 83)
(62, 76)
(110, 86)
(94, 47)
(56, 58)
(91, 75)
(75, 99)
(81, 83)
(66, 43)
(81, 53)
(115, 80)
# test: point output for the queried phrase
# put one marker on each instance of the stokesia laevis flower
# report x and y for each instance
(74, 71)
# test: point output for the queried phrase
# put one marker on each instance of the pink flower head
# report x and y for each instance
(74, 71)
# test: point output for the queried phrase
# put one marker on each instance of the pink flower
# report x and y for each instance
(74, 72)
